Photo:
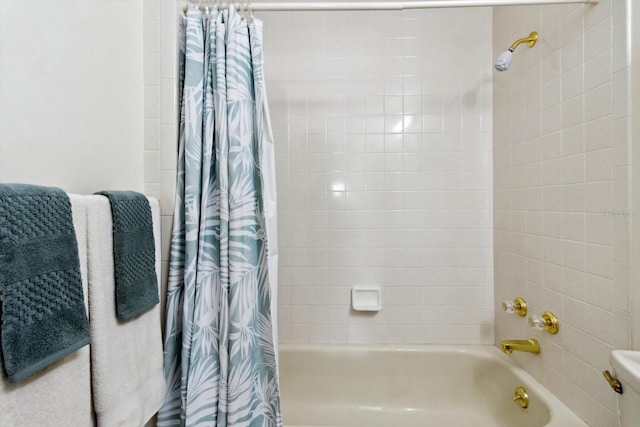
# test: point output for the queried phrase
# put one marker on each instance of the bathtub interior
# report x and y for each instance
(381, 387)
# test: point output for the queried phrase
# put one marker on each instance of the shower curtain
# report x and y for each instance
(220, 354)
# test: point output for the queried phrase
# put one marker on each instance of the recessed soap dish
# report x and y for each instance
(366, 298)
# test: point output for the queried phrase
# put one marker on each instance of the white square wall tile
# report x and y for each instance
(597, 39)
(151, 37)
(151, 102)
(598, 165)
(168, 182)
(599, 228)
(169, 146)
(152, 190)
(597, 70)
(150, 10)
(152, 134)
(152, 167)
(151, 68)
(168, 101)
(598, 102)
(599, 133)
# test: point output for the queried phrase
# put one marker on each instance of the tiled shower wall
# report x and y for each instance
(561, 180)
(383, 130)
(160, 112)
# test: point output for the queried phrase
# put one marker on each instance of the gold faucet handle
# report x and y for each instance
(521, 397)
(613, 382)
(547, 321)
(518, 306)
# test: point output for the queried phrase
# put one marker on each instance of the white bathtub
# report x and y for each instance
(406, 386)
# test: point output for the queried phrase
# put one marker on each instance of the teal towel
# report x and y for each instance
(43, 313)
(133, 253)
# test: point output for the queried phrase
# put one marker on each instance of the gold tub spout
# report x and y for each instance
(530, 346)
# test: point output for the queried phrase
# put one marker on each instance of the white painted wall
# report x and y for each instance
(71, 93)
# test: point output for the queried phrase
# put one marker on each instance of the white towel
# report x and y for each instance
(126, 357)
(60, 395)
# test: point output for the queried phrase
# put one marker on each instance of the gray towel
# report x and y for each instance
(133, 253)
(43, 313)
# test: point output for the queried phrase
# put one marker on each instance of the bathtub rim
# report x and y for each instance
(559, 412)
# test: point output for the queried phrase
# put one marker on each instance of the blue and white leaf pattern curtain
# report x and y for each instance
(220, 354)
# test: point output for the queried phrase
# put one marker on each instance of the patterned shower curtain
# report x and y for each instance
(220, 355)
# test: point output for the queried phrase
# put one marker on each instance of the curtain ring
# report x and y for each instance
(244, 7)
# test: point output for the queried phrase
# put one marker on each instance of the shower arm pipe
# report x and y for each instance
(385, 5)
(530, 40)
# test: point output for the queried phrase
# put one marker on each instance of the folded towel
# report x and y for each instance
(133, 253)
(126, 357)
(60, 395)
(43, 314)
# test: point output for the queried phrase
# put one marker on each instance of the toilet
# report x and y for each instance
(626, 366)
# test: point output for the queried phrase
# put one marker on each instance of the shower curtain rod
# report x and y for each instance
(384, 5)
